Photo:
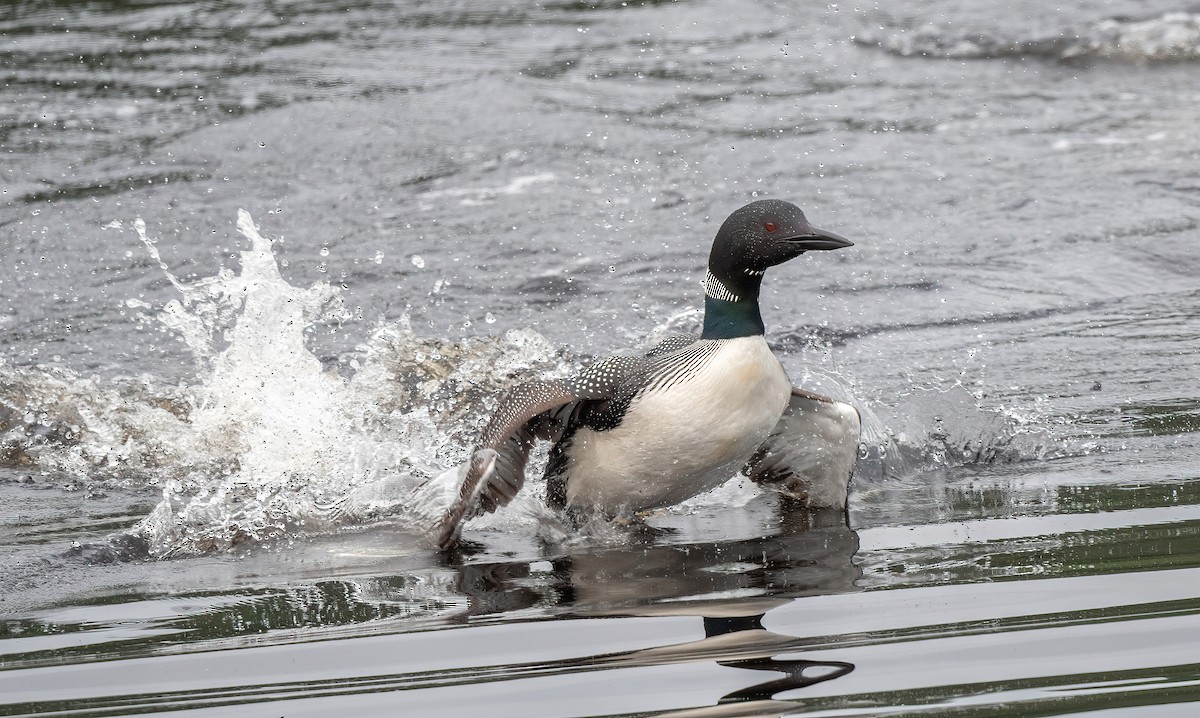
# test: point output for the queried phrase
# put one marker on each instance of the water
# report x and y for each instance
(222, 434)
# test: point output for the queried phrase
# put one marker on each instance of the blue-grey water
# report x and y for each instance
(222, 434)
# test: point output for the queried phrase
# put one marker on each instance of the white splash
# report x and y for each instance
(308, 450)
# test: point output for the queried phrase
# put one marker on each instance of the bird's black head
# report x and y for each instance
(753, 239)
(763, 234)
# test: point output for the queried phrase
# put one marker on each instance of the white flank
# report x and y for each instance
(685, 438)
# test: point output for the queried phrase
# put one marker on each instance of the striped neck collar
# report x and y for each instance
(731, 306)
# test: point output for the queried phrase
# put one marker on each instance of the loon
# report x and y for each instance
(637, 433)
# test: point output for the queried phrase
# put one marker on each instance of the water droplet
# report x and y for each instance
(324, 251)
(379, 258)
(489, 318)
(418, 261)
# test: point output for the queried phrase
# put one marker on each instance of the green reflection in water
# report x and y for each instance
(1041, 696)
(1118, 550)
(1107, 497)
(1165, 419)
(236, 614)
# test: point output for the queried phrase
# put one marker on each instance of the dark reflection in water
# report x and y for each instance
(741, 642)
(810, 554)
(729, 586)
(725, 587)
(787, 554)
(797, 673)
(713, 600)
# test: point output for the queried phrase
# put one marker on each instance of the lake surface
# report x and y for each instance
(219, 449)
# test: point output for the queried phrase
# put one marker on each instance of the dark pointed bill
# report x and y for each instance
(820, 239)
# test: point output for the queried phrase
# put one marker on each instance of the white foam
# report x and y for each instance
(309, 450)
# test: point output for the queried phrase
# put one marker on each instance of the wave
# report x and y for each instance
(1173, 37)
(933, 429)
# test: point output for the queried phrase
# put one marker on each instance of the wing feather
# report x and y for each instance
(811, 453)
(530, 411)
(549, 410)
(496, 471)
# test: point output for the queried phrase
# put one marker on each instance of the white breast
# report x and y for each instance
(685, 438)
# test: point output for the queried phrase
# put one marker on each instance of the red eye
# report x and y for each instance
(769, 226)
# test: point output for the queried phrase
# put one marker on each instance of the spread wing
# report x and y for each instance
(530, 411)
(811, 452)
(496, 470)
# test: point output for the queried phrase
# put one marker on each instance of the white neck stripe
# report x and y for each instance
(714, 288)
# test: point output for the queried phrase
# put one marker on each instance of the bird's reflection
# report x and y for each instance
(796, 673)
(727, 584)
(793, 553)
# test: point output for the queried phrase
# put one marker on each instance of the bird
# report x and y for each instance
(641, 432)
